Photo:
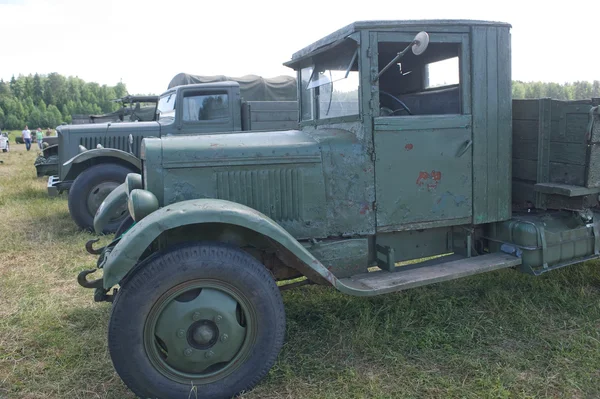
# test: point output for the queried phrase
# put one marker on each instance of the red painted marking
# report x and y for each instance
(422, 177)
(408, 147)
(214, 145)
(431, 180)
(364, 209)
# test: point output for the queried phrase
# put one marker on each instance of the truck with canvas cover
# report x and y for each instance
(95, 158)
(404, 152)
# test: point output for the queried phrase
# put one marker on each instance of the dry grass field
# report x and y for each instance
(498, 335)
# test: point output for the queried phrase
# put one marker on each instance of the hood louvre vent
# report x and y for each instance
(278, 193)
(118, 142)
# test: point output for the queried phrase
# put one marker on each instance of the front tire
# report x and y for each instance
(204, 318)
(88, 191)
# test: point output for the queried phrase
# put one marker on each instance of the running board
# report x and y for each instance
(404, 277)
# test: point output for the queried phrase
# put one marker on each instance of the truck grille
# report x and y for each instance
(278, 193)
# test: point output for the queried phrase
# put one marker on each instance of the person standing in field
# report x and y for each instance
(26, 136)
(39, 136)
(48, 132)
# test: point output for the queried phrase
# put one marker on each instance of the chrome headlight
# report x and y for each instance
(133, 181)
(141, 203)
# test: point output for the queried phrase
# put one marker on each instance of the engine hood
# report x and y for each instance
(95, 128)
(247, 148)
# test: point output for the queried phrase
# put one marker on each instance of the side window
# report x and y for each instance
(427, 84)
(206, 107)
(442, 73)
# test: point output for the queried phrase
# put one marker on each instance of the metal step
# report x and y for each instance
(382, 282)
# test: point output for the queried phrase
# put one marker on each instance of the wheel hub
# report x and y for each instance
(199, 331)
(203, 334)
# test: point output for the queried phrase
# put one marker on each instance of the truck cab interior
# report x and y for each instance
(427, 84)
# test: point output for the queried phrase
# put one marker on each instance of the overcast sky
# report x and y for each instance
(145, 43)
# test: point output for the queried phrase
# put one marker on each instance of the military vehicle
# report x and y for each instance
(96, 158)
(133, 108)
(405, 152)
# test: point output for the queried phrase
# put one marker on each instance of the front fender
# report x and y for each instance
(126, 253)
(107, 153)
(113, 201)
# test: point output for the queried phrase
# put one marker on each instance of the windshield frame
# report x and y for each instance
(170, 111)
(343, 59)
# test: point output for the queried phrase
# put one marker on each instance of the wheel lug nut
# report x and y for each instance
(180, 333)
(188, 352)
(218, 319)
(209, 354)
(224, 337)
(196, 316)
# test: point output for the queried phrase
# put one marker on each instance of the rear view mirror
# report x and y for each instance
(420, 43)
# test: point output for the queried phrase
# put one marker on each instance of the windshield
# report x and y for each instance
(166, 106)
(332, 81)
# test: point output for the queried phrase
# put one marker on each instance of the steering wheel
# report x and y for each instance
(404, 106)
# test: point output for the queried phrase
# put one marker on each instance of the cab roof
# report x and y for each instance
(358, 26)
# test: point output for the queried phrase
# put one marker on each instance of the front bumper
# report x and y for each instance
(47, 169)
(55, 186)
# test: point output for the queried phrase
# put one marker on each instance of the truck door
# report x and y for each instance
(423, 134)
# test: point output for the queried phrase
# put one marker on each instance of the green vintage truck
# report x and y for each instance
(132, 109)
(409, 148)
(95, 158)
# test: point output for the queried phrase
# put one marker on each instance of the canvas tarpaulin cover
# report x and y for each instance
(252, 87)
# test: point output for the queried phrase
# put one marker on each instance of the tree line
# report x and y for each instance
(50, 100)
(569, 91)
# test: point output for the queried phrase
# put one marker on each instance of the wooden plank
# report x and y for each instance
(567, 174)
(524, 169)
(504, 115)
(523, 149)
(493, 132)
(526, 109)
(564, 189)
(525, 129)
(523, 193)
(569, 153)
(422, 122)
(381, 282)
(480, 146)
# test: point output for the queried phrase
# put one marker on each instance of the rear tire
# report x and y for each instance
(202, 320)
(89, 190)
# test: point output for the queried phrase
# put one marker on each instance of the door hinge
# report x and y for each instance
(374, 206)
(369, 52)
(373, 155)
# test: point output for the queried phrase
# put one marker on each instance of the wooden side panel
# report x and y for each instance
(492, 124)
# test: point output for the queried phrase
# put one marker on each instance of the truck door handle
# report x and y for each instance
(464, 149)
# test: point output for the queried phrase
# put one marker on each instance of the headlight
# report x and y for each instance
(141, 203)
(134, 181)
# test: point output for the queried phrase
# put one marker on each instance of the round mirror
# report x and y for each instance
(420, 43)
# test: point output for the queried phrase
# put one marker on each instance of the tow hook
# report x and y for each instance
(100, 294)
(90, 248)
(83, 281)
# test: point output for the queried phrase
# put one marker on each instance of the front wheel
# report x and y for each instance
(205, 320)
(88, 191)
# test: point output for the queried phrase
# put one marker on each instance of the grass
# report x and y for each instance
(497, 335)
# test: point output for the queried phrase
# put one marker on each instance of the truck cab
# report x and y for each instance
(403, 152)
(95, 158)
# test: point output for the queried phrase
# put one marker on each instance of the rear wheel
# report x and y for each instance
(205, 320)
(88, 191)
